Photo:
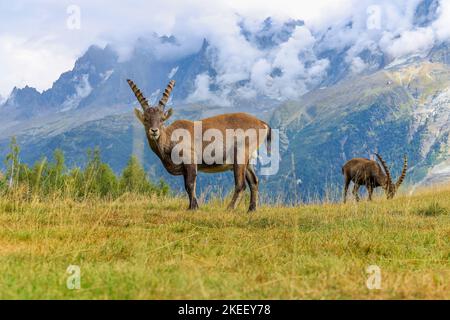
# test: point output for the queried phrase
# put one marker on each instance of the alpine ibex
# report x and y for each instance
(164, 141)
(369, 173)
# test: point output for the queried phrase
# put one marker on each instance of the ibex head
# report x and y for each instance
(152, 117)
(389, 187)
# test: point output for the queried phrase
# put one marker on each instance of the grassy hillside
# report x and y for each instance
(152, 248)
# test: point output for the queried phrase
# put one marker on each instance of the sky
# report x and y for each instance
(41, 39)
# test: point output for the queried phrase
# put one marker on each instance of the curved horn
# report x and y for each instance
(140, 97)
(386, 169)
(402, 176)
(166, 94)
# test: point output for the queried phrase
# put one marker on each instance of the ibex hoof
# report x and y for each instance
(193, 206)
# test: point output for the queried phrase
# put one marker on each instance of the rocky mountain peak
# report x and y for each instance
(96, 59)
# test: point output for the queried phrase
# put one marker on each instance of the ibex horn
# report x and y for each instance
(140, 97)
(386, 169)
(402, 176)
(166, 94)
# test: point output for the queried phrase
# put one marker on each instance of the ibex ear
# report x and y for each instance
(139, 115)
(168, 114)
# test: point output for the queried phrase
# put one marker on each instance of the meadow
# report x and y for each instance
(150, 247)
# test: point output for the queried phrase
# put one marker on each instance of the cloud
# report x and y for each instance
(260, 75)
(202, 92)
(36, 45)
(409, 42)
(35, 63)
(286, 70)
(442, 25)
(357, 65)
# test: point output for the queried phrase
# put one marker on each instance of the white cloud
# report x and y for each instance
(291, 58)
(357, 65)
(37, 64)
(260, 75)
(202, 92)
(415, 41)
(36, 46)
(442, 25)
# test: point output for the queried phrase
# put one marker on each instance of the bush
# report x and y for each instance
(96, 179)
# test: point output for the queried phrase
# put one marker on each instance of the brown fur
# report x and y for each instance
(370, 174)
(159, 138)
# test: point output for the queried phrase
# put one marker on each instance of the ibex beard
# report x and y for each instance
(227, 142)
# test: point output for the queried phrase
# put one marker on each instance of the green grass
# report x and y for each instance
(136, 248)
(432, 210)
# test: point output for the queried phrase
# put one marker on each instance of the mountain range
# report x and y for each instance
(394, 106)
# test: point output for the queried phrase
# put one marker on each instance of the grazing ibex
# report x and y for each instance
(369, 173)
(164, 141)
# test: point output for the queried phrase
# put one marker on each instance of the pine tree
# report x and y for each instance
(134, 179)
(107, 184)
(99, 178)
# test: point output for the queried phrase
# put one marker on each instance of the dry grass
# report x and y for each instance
(154, 249)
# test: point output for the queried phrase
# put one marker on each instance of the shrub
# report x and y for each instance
(96, 179)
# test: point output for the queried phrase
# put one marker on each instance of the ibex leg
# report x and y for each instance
(355, 191)
(346, 185)
(190, 178)
(252, 181)
(239, 184)
(370, 191)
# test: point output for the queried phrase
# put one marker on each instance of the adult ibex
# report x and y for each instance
(369, 173)
(164, 141)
